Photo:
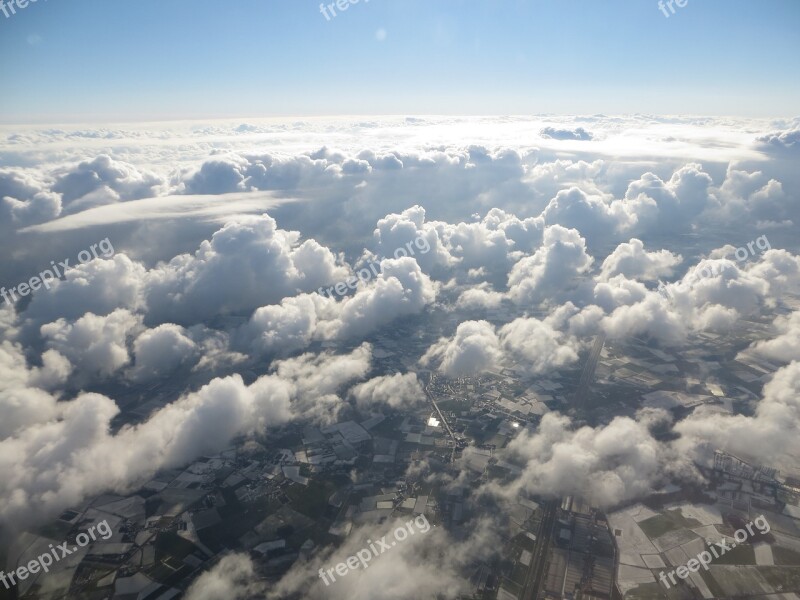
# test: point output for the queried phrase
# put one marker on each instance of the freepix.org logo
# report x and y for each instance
(741, 254)
(44, 561)
(342, 5)
(362, 558)
(715, 550)
(9, 7)
(663, 8)
(375, 269)
(48, 276)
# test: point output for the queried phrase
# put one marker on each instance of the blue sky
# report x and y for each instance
(95, 60)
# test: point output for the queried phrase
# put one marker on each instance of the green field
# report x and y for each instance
(785, 556)
(455, 405)
(782, 578)
(669, 520)
(741, 555)
(237, 520)
(646, 591)
(311, 500)
(389, 428)
(712, 584)
(171, 549)
(657, 526)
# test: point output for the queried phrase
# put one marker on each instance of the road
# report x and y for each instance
(535, 578)
(443, 422)
(582, 393)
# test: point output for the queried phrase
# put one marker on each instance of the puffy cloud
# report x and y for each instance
(526, 233)
(25, 199)
(538, 346)
(781, 142)
(20, 184)
(273, 172)
(250, 268)
(234, 172)
(477, 179)
(246, 264)
(427, 564)
(618, 291)
(712, 295)
(398, 235)
(507, 171)
(493, 243)
(232, 578)
(651, 317)
(80, 185)
(400, 289)
(748, 195)
(480, 296)
(99, 286)
(16, 373)
(769, 436)
(399, 391)
(633, 261)
(160, 351)
(69, 452)
(590, 214)
(671, 205)
(54, 370)
(785, 347)
(95, 345)
(779, 269)
(547, 178)
(317, 379)
(649, 205)
(218, 176)
(214, 349)
(552, 269)
(474, 348)
(579, 133)
(23, 399)
(285, 327)
(23, 407)
(606, 465)
(720, 282)
(42, 206)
